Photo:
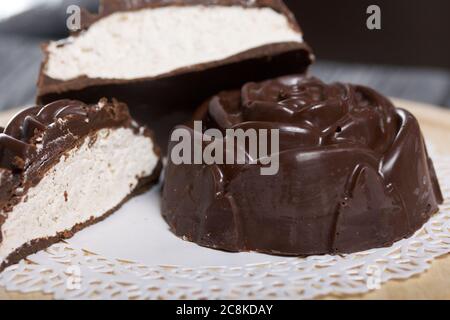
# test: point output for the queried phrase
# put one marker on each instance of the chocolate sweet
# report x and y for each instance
(354, 173)
(66, 165)
(164, 57)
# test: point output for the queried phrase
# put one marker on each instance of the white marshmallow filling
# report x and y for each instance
(152, 42)
(86, 183)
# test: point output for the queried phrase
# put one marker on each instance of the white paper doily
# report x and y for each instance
(169, 268)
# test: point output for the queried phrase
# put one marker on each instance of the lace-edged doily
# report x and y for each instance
(73, 273)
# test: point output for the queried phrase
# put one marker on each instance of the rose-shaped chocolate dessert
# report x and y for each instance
(354, 173)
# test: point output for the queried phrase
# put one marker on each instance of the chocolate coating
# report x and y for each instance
(354, 173)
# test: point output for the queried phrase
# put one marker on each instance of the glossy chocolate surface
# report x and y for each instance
(354, 173)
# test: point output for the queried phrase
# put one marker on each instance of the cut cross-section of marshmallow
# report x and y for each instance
(65, 166)
(152, 42)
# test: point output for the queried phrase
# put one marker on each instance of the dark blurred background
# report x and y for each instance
(408, 58)
(414, 32)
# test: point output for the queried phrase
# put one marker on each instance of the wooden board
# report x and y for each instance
(433, 284)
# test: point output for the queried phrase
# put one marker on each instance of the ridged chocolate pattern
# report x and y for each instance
(354, 173)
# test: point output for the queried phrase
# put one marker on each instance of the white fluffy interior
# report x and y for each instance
(95, 178)
(151, 42)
